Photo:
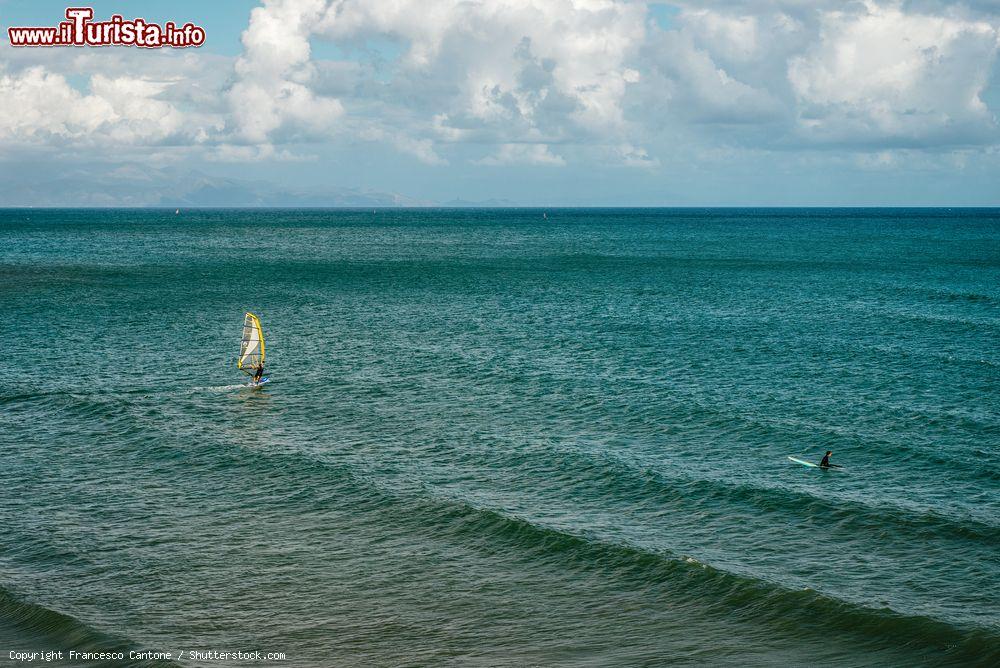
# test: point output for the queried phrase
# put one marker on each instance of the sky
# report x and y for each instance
(519, 102)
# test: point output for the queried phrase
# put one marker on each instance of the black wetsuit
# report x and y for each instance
(259, 374)
(826, 462)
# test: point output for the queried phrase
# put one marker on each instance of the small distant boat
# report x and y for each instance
(176, 211)
(252, 348)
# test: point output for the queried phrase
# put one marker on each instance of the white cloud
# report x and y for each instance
(735, 36)
(255, 153)
(272, 90)
(420, 148)
(518, 71)
(46, 106)
(884, 75)
(513, 79)
(786, 75)
(690, 85)
(120, 110)
(137, 113)
(523, 154)
(635, 156)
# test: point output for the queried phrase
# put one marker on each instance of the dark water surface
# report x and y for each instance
(497, 440)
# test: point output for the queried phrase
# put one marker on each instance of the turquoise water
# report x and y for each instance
(493, 439)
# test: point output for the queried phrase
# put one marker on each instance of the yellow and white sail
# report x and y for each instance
(252, 345)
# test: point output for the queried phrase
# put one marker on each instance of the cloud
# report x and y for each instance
(47, 107)
(272, 91)
(120, 110)
(421, 149)
(783, 75)
(255, 153)
(518, 71)
(736, 37)
(529, 82)
(884, 76)
(688, 82)
(523, 154)
(634, 156)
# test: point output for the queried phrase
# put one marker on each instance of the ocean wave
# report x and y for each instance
(633, 480)
(34, 627)
(726, 417)
(121, 394)
(949, 295)
(724, 593)
(27, 397)
(426, 510)
(221, 388)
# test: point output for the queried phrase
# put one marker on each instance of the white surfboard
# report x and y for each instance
(831, 467)
(803, 462)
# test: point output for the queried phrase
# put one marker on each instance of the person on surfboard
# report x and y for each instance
(825, 464)
(259, 373)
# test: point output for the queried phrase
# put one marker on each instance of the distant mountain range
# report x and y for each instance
(139, 186)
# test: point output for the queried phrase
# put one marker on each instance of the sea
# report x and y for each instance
(501, 437)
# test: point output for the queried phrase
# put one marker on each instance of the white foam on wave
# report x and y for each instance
(221, 388)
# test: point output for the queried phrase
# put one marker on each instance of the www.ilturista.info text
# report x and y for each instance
(80, 30)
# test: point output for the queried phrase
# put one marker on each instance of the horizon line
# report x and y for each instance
(540, 207)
